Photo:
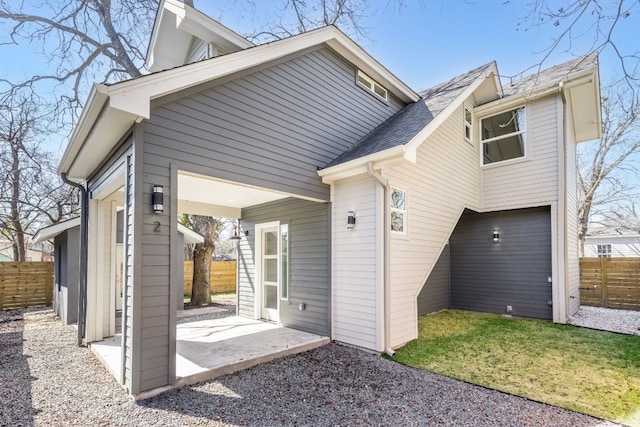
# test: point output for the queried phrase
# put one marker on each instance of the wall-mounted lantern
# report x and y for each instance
(157, 199)
(496, 236)
(351, 220)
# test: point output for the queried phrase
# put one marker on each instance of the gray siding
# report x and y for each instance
(488, 276)
(272, 128)
(66, 274)
(434, 295)
(309, 269)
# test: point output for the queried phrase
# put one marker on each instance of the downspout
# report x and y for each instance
(84, 229)
(565, 257)
(386, 280)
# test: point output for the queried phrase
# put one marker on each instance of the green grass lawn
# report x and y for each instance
(589, 371)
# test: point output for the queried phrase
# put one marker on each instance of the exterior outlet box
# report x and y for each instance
(302, 306)
(509, 309)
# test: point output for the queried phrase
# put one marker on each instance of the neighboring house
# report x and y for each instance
(362, 203)
(65, 237)
(35, 251)
(612, 242)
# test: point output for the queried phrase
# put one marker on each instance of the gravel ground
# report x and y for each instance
(45, 380)
(607, 319)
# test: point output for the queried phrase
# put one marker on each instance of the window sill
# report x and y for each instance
(505, 163)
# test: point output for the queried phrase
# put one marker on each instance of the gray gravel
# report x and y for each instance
(607, 319)
(45, 380)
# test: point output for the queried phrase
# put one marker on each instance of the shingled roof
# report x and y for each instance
(551, 76)
(408, 122)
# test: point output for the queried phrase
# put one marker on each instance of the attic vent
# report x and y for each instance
(371, 85)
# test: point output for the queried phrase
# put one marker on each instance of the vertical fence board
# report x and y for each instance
(25, 284)
(610, 282)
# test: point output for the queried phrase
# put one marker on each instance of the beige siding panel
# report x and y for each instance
(356, 265)
(534, 181)
(573, 260)
(443, 182)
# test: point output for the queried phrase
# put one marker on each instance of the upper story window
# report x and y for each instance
(370, 84)
(398, 211)
(503, 136)
(468, 125)
(604, 251)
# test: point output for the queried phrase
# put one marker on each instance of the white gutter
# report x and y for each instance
(387, 255)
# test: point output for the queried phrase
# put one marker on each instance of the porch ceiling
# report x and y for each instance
(203, 195)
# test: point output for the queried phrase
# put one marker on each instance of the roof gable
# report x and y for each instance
(112, 109)
(174, 29)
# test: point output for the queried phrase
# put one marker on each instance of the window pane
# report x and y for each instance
(467, 132)
(397, 199)
(270, 243)
(363, 81)
(467, 116)
(397, 222)
(382, 93)
(271, 270)
(504, 149)
(271, 297)
(503, 124)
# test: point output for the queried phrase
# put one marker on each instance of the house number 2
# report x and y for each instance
(157, 226)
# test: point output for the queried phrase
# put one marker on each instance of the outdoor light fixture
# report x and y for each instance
(351, 220)
(496, 236)
(157, 199)
(236, 233)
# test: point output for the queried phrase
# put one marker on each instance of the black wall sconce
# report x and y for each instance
(496, 236)
(351, 220)
(157, 199)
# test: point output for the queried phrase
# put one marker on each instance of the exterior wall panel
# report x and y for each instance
(487, 276)
(309, 270)
(434, 295)
(281, 120)
(534, 181)
(357, 264)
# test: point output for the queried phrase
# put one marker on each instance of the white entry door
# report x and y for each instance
(270, 274)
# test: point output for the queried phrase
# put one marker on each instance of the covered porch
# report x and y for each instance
(209, 348)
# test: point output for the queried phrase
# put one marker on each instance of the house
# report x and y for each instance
(361, 203)
(34, 251)
(608, 242)
(66, 266)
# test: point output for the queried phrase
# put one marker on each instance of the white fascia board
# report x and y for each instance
(190, 236)
(528, 96)
(387, 158)
(416, 141)
(200, 25)
(96, 100)
(52, 231)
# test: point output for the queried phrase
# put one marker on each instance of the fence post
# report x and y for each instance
(603, 272)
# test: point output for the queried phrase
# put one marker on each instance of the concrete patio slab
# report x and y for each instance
(210, 348)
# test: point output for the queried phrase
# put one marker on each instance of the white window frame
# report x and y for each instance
(467, 126)
(484, 142)
(404, 212)
(284, 261)
(371, 85)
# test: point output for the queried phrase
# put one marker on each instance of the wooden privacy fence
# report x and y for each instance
(25, 284)
(610, 282)
(223, 276)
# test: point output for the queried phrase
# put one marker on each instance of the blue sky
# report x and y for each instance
(425, 42)
(429, 41)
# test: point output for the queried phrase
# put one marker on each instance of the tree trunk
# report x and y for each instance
(201, 289)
